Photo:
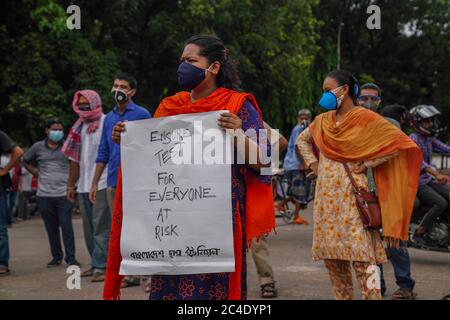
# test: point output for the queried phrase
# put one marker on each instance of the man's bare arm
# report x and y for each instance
(16, 153)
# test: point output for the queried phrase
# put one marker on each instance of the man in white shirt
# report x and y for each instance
(81, 149)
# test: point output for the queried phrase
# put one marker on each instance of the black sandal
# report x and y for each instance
(268, 291)
(131, 281)
(404, 294)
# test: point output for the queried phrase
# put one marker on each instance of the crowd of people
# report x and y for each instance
(357, 139)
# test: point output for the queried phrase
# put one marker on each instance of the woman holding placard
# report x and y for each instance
(211, 83)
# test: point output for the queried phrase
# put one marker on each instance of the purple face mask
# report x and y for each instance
(190, 76)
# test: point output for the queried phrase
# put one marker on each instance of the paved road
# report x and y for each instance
(296, 275)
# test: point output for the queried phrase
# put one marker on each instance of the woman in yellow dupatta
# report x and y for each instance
(210, 80)
(362, 139)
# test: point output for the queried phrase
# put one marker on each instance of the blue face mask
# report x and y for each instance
(190, 76)
(56, 135)
(329, 101)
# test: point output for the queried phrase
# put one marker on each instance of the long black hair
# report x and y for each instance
(344, 77)
(213, 49)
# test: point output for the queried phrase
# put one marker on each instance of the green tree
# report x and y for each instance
(43, 64)
(284, 49)
(273, 41)
(408, 57)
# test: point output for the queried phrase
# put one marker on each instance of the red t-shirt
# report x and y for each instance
(17, 172)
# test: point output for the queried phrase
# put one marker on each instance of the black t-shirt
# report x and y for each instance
(6, 146)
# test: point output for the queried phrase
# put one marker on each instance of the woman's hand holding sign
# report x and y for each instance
(229, 121)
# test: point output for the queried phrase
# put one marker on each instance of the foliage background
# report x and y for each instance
(284, 49)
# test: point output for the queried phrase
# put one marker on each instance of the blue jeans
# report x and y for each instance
(96, 227)
(4, 245)
(11, 205)
(57, 212)
(399, 259)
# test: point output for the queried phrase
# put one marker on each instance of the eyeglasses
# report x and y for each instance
(372, 98)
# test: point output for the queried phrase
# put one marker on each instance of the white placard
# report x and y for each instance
(177, 218)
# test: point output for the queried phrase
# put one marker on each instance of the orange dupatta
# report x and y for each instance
(365, 135)
(259, 215)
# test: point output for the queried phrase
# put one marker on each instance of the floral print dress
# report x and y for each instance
(338, 230)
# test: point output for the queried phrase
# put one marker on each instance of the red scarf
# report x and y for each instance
(259, 211)
(72, 146)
